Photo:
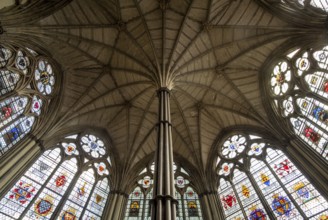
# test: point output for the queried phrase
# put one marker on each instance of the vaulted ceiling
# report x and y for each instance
(115, 54)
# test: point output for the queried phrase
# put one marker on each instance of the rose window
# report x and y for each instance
(93, 146)
(233, 146)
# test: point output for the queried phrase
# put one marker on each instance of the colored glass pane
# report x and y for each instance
(314, 137)
(247, 194)
(98, 199)
(135, 204)
(228, 199)
(80, 193)
(11, 108)
(14, 132)
(22, 193)
(303, 192)
(191, 203)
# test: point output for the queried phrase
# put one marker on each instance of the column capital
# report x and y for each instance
(207, 193)
(119, 192)
(165, 89)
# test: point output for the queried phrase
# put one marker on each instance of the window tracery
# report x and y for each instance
(60, 184)
(27, 83)
(266, 183)
(299, 88)
(138, 206)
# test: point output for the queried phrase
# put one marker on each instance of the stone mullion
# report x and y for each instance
(41, 188)
(314, 166)
(183, 207)
(286, 191)
(3, 97)
(238, 199)
(66, 194)
(260, 195)
(20, 116)
(89, 197)
(143, 207)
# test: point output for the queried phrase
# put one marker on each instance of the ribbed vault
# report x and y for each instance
(115, 54)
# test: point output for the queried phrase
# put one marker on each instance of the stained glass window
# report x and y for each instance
(23, 71)
(299, 88)
(60, 184)
(188, 204)
(262, 183)
(188, 207)
(138, 206)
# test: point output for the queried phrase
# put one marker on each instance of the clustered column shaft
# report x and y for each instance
(164, 202)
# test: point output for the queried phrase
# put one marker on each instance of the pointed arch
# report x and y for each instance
(28, 83)
(138, 207)
(68, 180)
(298, 90)
(258, 181)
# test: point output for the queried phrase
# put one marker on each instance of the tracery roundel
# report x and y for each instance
(93, 145)
(27, 83)
(233, 146)
(299, 90)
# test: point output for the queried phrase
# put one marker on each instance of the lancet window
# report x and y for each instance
(188, 201)
(68, 181)
(258, 181)
(138, 207)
